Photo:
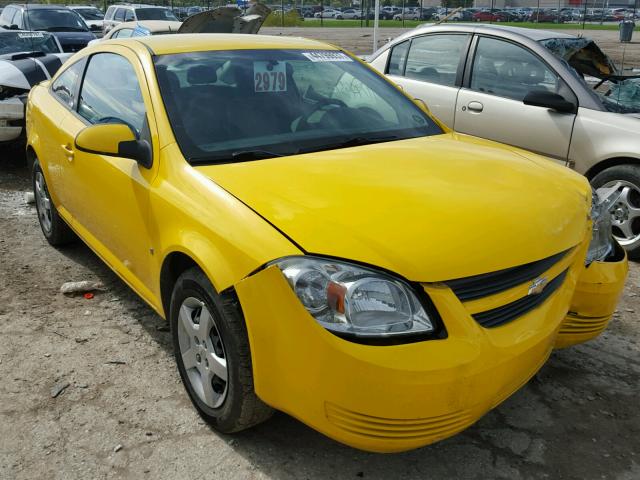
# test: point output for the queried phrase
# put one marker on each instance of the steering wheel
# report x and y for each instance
(303, 124)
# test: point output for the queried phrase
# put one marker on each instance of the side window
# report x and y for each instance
(7, 16)
(128, 16)
(435, 58)
(111, 92)
(507, 70)
(398, 58)
(119, 15)
(123, 33)
(64, 87)
(17, 19)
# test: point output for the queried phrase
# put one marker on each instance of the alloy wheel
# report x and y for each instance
(202, 351)
(43, 203)
(626, 212)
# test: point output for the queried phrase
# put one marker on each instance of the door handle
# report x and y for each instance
(68, 151)
(475, 107)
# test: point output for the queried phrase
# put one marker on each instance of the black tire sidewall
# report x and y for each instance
(194, 283)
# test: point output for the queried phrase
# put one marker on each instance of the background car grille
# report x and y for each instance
(73, 47)
(506, 313)
(478, 286)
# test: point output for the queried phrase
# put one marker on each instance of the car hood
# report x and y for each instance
(24, 73)
(430, 209)
(227, 20)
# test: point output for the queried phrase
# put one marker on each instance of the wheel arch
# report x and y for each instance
(174, 264)
(608, 163)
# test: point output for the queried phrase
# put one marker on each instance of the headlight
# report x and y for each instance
(601, 239)
(350, 300)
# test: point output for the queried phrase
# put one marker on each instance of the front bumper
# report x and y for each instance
(594, 300)
(392, 398)
(11, 119)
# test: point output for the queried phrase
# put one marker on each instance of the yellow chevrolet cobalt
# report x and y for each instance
(317, 241)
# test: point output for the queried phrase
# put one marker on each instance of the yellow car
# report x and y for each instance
(318, 242)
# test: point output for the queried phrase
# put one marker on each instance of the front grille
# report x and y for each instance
(511, 311)
(576, 324)
(478, 286)
(427, 429)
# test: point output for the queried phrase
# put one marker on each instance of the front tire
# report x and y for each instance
(213, 354)
(626, 211)
(54, 228)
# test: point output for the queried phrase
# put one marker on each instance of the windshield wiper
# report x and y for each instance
(355, 141)
(237, 156)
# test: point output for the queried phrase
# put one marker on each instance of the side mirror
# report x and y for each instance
(553, 101)
(115, 140)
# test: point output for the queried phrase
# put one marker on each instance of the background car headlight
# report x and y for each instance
(350, 300)
(601, 238)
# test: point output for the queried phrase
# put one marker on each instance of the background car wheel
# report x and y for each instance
(213, 355)
(54, 228)
(626, 212)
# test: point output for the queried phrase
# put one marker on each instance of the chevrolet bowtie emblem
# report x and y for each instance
(537, 286)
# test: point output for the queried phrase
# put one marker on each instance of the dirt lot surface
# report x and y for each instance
(360, 40)
(90, 390)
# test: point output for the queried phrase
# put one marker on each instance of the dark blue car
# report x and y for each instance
(68, 26)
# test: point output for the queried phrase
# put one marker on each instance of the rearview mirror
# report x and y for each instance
(115, 140)
(540, 98)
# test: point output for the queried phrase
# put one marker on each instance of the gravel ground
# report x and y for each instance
(360, 40)
(90, 390)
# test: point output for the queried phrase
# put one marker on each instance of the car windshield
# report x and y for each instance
(15, 42)
(247, 104)
(617, 92)
(55, 20)
(155, 14)
(90, 13)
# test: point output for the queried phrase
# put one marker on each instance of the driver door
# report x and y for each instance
(109, 196)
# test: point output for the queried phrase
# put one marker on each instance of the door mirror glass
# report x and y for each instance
(115, 140)
(540, 98)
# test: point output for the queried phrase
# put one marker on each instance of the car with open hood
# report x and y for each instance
(26, 58)
(318, 242)
(68, 26)
(551, 93)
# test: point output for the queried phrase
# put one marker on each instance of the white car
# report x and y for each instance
(329, 13)
(352, 14)
(93, 17)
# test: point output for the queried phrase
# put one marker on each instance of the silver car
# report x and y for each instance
(555, 94)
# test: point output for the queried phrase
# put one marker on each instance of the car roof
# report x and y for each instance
(532, 33)
(198, 42)
(37, 6)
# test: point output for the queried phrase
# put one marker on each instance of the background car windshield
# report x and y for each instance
(53, 20)
(223, 103)
(13, 42)
(155, 14)
(90, 13)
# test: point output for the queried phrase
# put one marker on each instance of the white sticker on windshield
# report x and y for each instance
(327, 57)
(31, 35)
(270, 76)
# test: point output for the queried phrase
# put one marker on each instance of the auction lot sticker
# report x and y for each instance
(270, 76)
(327, 57)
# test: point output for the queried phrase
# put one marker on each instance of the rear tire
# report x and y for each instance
(626, 212)
(208, 327)
(54, 228)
